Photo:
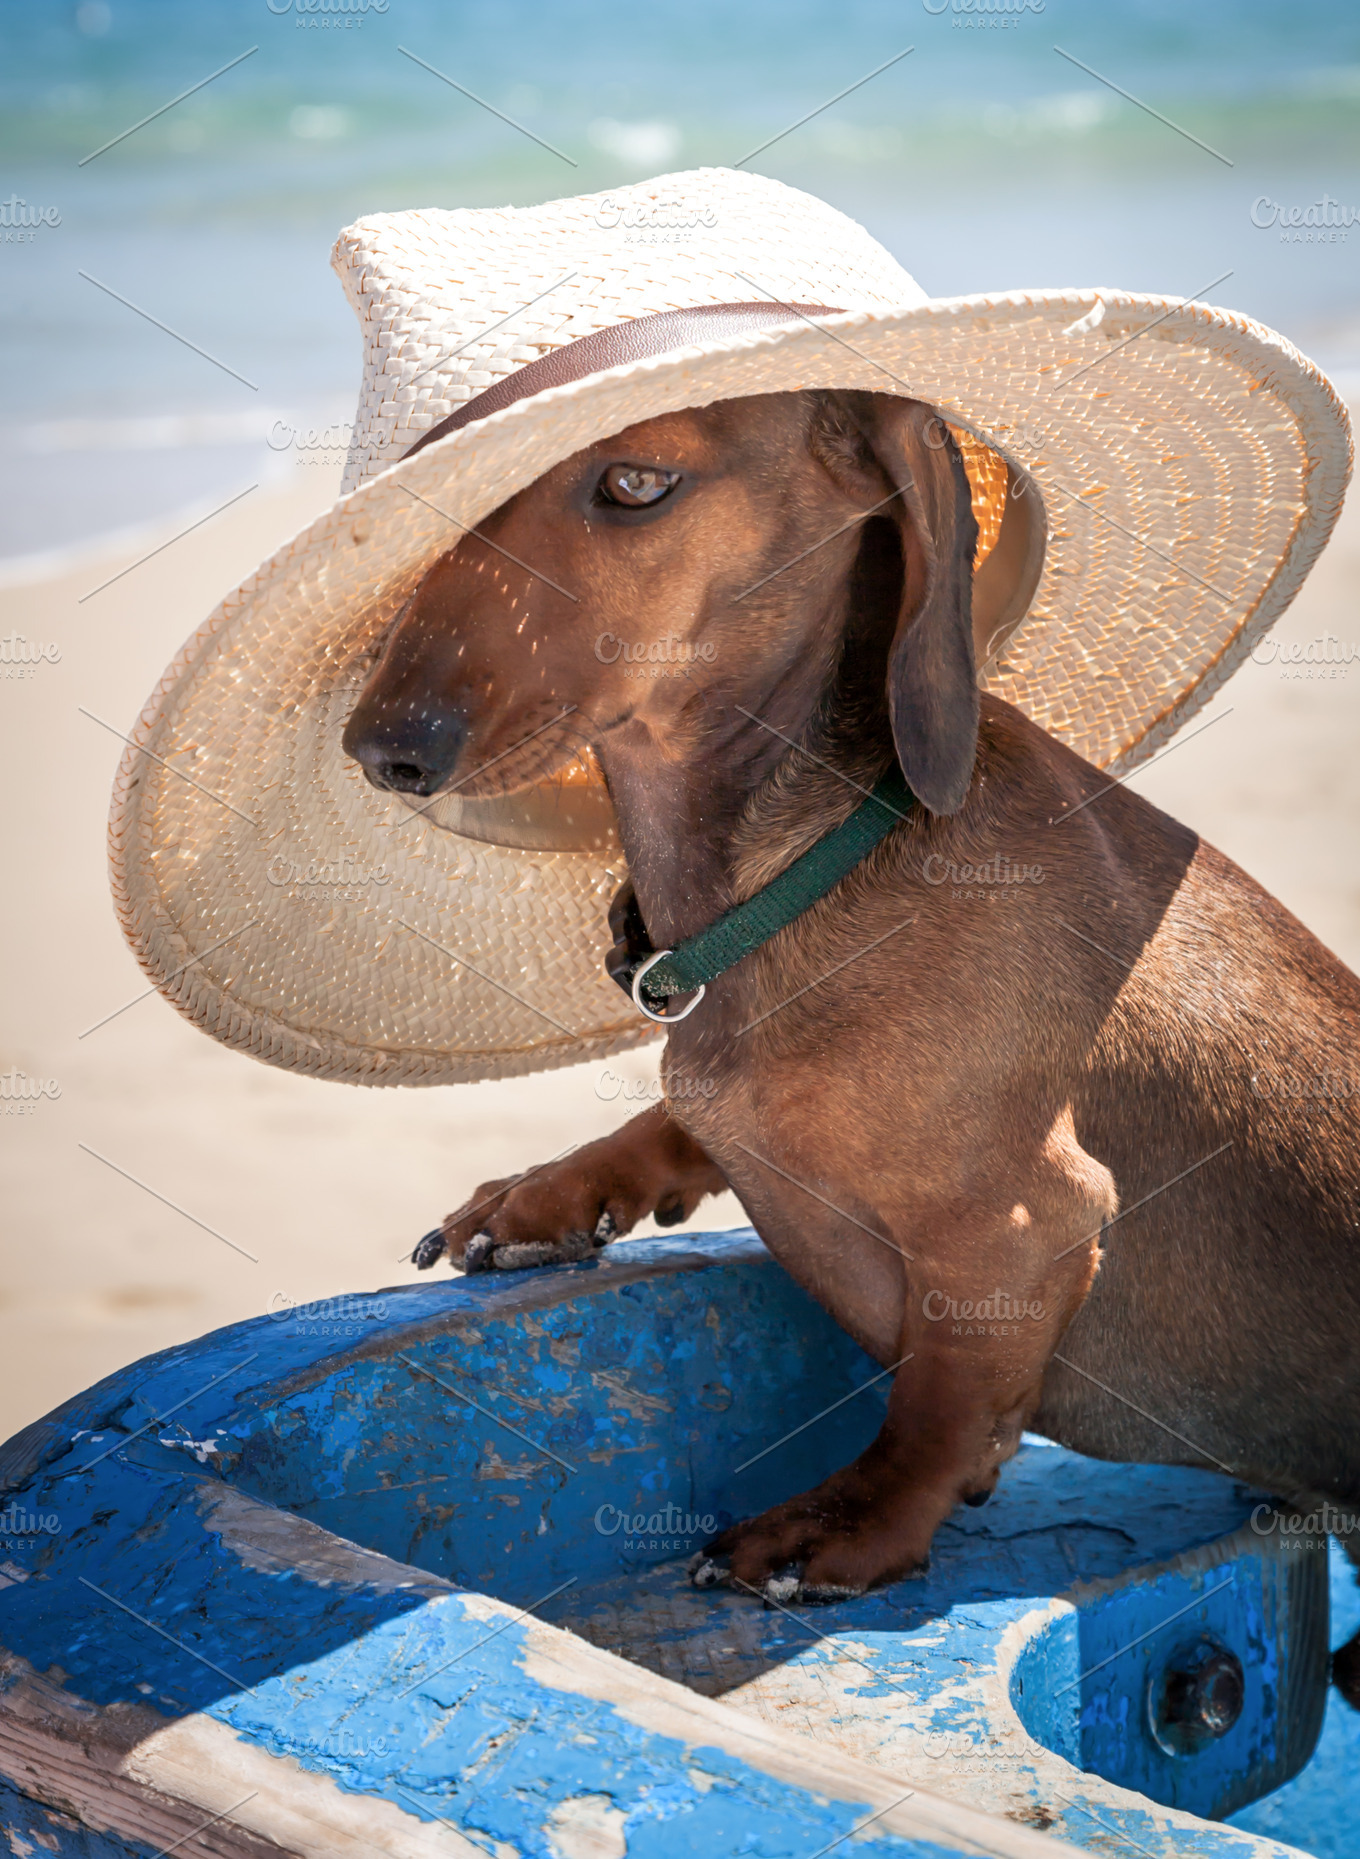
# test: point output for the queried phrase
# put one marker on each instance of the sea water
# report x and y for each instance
(985, 159)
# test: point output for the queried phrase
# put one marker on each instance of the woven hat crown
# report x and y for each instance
(452, 301)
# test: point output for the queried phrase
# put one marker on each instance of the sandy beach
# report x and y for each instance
(161, 1186)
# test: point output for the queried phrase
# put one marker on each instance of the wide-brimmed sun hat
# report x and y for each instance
(1152, 480)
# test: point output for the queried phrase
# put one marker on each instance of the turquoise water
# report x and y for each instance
(984, 160)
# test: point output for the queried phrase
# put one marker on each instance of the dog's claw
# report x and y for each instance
(782, 1590)
(704, 1572)
(479, 1255)
(428, 1249)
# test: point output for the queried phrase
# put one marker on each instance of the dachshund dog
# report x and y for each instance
(1044, 1056)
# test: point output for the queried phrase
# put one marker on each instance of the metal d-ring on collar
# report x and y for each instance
(691, 965)
(662, 1019)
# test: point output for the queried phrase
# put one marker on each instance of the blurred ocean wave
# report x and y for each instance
(985, 160)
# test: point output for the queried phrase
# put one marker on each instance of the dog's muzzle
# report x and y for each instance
(406, 754)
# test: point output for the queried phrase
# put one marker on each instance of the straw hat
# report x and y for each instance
(1182, 466)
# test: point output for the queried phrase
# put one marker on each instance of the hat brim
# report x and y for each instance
(1188, 464)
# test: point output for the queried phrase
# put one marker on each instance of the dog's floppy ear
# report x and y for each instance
(932, 676)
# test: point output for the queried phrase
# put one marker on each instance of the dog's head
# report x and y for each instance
(691, 573)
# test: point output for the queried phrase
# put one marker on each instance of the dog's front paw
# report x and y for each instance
(544, 1217)
(829, 1545)
(573, 1206)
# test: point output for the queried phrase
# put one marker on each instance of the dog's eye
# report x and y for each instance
(636, 486)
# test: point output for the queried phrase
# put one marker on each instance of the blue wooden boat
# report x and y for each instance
(405, 1573)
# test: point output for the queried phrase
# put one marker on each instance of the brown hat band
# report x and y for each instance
(637, 340)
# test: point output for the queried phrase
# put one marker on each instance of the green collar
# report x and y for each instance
(653, 979)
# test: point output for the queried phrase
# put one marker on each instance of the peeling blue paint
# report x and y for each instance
(473, 1434)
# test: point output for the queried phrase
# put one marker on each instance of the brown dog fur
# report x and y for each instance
(1078, 1089)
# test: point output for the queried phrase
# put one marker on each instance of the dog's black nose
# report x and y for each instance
(410, 753)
